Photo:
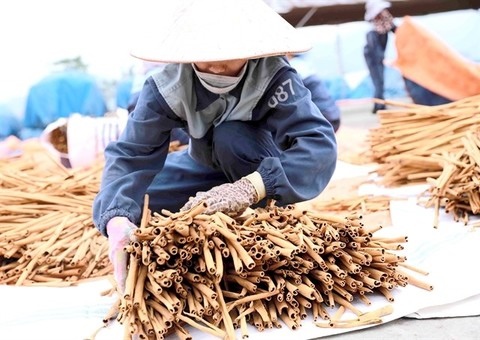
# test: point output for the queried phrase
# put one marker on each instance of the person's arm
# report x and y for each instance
(308, 160)
(324, 101)
(134, 159)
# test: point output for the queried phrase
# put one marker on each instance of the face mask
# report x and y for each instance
(217, 83)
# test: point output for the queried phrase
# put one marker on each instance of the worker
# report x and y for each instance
(255, 133)
(378, 14)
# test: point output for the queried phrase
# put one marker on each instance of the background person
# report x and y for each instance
(378, 14)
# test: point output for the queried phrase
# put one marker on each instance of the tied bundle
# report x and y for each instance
(266, 268)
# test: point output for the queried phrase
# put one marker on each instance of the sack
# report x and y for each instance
(79, 141)
(429, 62)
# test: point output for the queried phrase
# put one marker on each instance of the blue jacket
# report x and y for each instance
(271, 95)
(59, 95)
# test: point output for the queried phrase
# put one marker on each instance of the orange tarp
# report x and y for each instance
(425, 59)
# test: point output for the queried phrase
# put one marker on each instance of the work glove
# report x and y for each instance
(120, 232)
(229, 198)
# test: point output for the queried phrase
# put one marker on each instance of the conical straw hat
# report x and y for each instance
(374, 7)
(187, 31)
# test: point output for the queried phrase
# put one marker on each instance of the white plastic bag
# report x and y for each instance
(85, 137)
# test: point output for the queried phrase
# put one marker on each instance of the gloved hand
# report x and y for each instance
(229, 198)
(120, 233)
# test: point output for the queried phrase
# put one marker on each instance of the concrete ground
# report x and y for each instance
(358, 114)
(459, 328)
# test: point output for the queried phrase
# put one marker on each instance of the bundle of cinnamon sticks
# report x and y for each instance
(410, 135)
(266, 268)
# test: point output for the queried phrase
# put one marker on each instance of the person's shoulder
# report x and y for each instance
(270, 65)
(273, 60)
(172, 71)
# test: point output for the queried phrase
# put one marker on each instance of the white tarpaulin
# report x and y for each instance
(448, 253)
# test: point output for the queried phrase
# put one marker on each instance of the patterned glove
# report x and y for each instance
(120, 233)
(229, 198)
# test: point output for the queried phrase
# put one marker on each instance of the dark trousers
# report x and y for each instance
(374, 53)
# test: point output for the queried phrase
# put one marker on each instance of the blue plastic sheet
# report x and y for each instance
(61, 94)
(9, 123)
